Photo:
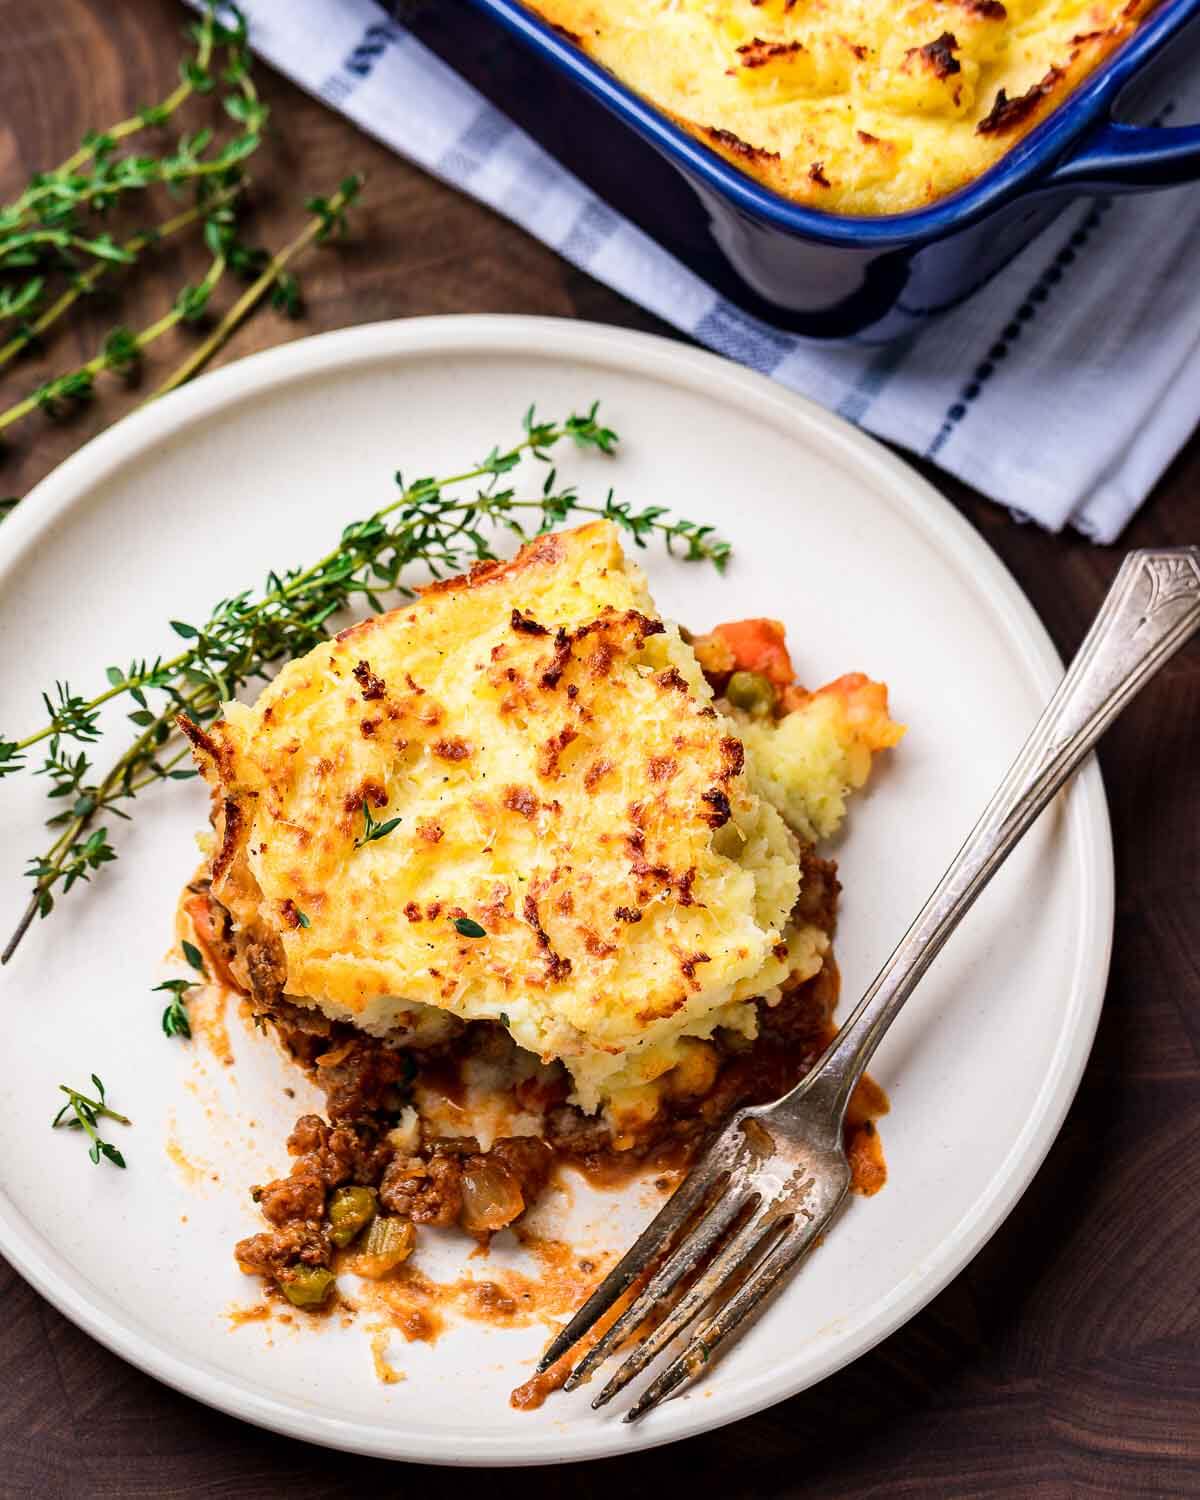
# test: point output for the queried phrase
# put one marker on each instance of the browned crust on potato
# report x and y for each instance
(938, 55)
(1008, 114)
(738, 147)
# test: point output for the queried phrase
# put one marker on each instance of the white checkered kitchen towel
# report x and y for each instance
(1062, 390)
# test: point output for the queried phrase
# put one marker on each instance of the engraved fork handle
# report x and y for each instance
(1151, 610)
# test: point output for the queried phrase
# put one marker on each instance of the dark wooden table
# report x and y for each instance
(1066, 1359)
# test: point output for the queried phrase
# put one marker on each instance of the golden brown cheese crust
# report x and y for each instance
(560, 778)
(849, 105)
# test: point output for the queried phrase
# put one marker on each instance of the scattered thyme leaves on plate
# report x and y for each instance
(175, 1020)
(81, 1112)
(194, 957)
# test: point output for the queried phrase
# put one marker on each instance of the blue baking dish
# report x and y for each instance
(872, 279)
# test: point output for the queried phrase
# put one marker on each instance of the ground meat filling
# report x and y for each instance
(414, 1178)
(427, 1190)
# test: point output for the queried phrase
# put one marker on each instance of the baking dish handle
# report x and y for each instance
(1132, 158)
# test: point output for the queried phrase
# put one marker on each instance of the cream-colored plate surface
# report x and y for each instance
(259, 466)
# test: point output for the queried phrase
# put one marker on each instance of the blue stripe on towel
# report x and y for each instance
(1026, 312)
(855, 404)
(594, 225)
(733, 333)
(475, 145)
(359, 62)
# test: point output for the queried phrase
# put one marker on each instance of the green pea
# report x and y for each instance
(350, 1210)
(307, 1286)
(751, 692)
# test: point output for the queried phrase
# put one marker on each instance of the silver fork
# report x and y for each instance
(768, 1185)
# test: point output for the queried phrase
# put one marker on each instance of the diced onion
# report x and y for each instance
(492, 1197)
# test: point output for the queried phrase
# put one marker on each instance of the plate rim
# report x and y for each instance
(901, 488)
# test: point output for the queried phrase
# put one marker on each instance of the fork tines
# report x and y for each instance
(734, 1227)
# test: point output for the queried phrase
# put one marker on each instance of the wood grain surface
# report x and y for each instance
(1066, 1359)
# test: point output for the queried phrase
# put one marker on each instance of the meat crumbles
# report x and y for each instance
(408, 1177)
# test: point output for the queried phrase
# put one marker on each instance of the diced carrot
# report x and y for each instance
(758, 646)
(198, 909)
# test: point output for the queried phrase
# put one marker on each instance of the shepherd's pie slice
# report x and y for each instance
(566, 839)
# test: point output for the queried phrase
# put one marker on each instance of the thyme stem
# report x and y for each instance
(160, 113)
(81, 1112)
(78, 382)
(317, 228)
(50, 226)
(88, 279)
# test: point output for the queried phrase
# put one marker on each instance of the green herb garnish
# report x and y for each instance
(175, 1018)
(373, 830)
(468, 928)
(194, 957)
(85, 1114)
(439, 524)
(122, 350)
(301, 916)
(54, 243)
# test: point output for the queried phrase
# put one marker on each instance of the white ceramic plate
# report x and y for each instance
(260, 465)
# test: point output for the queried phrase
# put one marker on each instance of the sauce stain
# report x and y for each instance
(385, 1372)
(419, 1308)
(193, 1172)
(258, 1312)
(206, 1014)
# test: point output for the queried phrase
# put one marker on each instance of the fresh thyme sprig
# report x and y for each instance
(175, 1018)
(85, 1114)
(122, 350)
(31, 333)
(328, 218)
(53, 228)
(439, 524)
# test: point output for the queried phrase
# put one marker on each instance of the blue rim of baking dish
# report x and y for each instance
(1031, 165)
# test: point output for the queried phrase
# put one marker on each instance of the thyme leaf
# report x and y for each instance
(81, 1112)
(373, 830)
(194, 957)
(468, 928)
(175, 1020)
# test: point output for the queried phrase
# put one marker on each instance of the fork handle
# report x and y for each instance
(1151, 610)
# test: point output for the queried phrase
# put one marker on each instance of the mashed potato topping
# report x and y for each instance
(851, 105)
(515, 800)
